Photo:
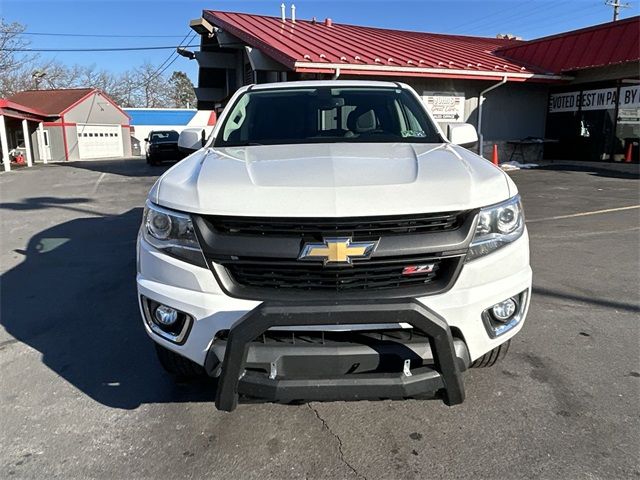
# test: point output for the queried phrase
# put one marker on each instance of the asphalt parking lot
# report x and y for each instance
(83, 396)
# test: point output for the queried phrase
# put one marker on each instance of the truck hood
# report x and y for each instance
(327, 180)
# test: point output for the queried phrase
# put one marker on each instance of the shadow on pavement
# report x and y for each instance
(43, 203)
(628, 172)
(600, 302)
(128, 167)
(73, 299)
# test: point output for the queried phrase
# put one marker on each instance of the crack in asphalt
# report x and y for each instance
(340, 451)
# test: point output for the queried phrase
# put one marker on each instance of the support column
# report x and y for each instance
(5, 145)
(41, 145)
(27, 142)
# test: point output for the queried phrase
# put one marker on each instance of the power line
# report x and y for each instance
(94, 35)
(538, 19)
(523, 15)
(184, 39)
(122, 49)
(560, 19)
(481, 22)
(164, 65)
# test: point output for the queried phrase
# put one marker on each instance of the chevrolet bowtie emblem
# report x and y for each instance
(337, 250)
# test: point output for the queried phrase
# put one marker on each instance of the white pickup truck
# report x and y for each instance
(329, 242)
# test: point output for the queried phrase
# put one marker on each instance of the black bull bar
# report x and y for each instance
(445, 377)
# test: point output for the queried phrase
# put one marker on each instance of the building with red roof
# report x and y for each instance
(508, 87)
(61, 125)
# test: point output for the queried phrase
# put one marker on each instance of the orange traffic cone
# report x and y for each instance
(629, 153)
(494, 157)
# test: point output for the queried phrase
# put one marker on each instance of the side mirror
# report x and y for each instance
(146, 140)
(463, 134)
(191, 139)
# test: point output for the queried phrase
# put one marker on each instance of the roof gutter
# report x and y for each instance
(331, 67)
(480, 102)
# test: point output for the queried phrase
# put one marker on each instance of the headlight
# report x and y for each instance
(172, 233)
(498, 225)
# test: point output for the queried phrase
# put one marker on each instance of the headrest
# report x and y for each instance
(361, 120)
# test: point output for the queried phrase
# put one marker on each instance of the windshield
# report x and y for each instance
(326, 115)
(169, 136)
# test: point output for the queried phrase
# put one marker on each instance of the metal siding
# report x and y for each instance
(515, 111)
(613, 72)
(95, 109)
(72, 142)
(35, 144)
(56, 143)
(126, 141)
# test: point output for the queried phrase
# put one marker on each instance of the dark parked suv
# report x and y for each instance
(162, 145)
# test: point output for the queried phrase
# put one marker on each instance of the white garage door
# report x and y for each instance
(99, 141)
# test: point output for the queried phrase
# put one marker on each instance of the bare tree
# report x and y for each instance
(14, 65)
(123, 90)
(10, 41)
(152, 86)
(145, 86)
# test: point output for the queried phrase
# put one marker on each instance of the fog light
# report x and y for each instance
(503, 311)
(166, 315)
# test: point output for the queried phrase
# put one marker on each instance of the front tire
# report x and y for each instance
(489, 359)
(178, 365)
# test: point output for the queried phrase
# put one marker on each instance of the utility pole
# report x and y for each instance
(616, 7)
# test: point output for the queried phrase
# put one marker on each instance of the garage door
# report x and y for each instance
(100, 141)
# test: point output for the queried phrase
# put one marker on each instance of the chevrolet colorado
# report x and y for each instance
(329, 242)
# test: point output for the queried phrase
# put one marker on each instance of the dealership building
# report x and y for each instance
(576, 95)
(62, 125)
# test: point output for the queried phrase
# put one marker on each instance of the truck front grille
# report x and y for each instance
(381, 274)
(257, 258)
(356, 226)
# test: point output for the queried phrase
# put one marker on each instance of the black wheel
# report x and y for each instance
(178, 365)
(489, 359)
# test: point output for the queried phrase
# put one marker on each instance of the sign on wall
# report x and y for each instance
(445, 106)
(630, 96)
(599, 99)
(629, 107)
(563, 102)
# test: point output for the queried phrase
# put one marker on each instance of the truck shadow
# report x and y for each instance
(73, 299)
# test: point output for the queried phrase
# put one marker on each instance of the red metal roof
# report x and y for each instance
(597, 46)
(20, 115)
(51, 102)
(12, 109)
(307, 46)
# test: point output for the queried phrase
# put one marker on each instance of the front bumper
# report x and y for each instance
(194, 290)
(443, 377)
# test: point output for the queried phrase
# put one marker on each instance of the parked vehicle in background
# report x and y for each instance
(162, 145)
(329, 242)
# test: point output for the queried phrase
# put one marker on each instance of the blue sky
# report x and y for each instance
(170, 18)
